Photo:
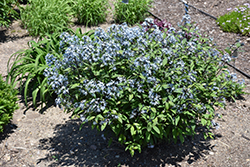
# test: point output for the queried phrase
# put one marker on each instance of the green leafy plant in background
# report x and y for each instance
(146, 86)
(91, 12)
(7, 11)
(133, 12)
(8, 103)
(46, 16)
(237, 20)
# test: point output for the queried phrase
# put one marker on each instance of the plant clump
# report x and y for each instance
(237, 20)
(7, 12)
(91, 12)
(8, 103)
(146, 86)
(46, 16)
(132, 12)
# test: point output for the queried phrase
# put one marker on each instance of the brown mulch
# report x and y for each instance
(51, 138)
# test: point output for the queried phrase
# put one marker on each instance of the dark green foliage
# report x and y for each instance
(91, 12)
(7, 12)
(8, 103)
(46, 16)
(131, 13)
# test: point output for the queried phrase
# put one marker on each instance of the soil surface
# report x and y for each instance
(49, 137)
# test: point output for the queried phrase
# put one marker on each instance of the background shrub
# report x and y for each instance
(133, 12)
(91, 12)
(237, 20)
(7, 11)
(8, 103)
(146, 86)
(46, 16)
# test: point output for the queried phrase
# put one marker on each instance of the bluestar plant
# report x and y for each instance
(146, 86)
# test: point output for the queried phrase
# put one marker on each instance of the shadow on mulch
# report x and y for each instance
(73, 147)
(8, 129)
(6, 38)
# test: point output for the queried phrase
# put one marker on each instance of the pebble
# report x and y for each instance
(211, 153)
(6, 157)
(117, 156)
(248, 40)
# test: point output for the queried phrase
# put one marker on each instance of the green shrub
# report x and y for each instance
(131, 13)
(7, 11)
(237, 20)
(144, 84)
(91, 12)
(8, 103)
(46, 16)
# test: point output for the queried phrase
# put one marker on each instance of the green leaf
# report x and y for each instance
(156, 129)
(165, 61)
(177, 119)
(131, 97)
(203, 121)
(132, 130)
(166, 106)
(103, 126)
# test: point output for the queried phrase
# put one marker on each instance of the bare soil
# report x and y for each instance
(49, 137)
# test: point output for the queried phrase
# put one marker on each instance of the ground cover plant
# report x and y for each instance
(145, 85)
(132, 12)
(237, 20)
(8, 103)
(7, 11)
(91, 12)
(46, 16)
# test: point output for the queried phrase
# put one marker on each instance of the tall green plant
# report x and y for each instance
(29, 65)
(46, 16)
(8, 103)
(91, 12)
(132, 12)
(7, 11)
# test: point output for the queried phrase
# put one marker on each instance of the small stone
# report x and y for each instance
(211, 153)
(6, 157)
(248, 40)
(247, 160)
(117, 156)
(93, 147)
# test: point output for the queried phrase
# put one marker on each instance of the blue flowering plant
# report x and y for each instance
(237, 20)
(146, 86)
